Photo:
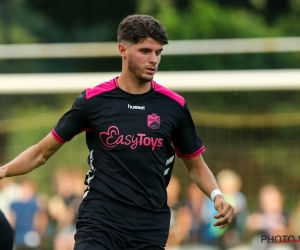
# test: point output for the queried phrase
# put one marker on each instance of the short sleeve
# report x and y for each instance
(72, 122)
(185, 140)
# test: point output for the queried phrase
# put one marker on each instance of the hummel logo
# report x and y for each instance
(136, 107)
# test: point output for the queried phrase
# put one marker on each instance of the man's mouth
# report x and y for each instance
(151, 70)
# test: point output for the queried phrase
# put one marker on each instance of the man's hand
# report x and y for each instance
(225, 210)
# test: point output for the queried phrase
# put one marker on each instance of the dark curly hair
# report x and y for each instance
(135, 28)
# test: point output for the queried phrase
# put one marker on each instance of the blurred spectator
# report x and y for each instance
(62, 184)
(209, 234)
(69, 184)
(181, 219)
(63, 206)
(77, 176)
(64, 216)
(294, 223)
(202, 209)
(26, 217)
(9, 192)
(270, 219)
(230, 184)
(195, 204)
(202, 231)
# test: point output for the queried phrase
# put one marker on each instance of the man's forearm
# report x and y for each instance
(204, 179)
(25, 162)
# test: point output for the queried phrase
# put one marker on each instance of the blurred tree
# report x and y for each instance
(20, 24)
(153, 7)
(275, 9)
(244, 4)
(48, 21)
(80, 17)
(182, 4)
(5, 14)
(289, 22)
(207, 20)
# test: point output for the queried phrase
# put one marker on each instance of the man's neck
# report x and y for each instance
(130, 84)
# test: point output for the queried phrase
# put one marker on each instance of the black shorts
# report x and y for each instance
(6, 233)
(100, 237)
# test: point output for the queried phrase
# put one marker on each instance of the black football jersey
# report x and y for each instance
(132, 139)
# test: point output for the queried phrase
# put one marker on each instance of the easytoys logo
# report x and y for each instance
(113, 138)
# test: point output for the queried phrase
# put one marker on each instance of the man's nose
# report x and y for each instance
(154, 58)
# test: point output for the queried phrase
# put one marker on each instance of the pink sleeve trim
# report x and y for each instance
(189, 156)
(57, 137)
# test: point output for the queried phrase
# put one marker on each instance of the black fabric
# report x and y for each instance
(93, 235)
(131, 140)
(6, 233)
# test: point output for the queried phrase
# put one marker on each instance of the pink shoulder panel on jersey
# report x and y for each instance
(169, 93)
(101, 88)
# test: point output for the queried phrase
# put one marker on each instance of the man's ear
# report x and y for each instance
(122, 50)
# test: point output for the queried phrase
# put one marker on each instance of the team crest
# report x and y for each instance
(153, 121)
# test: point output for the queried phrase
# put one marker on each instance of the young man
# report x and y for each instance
(131, 125)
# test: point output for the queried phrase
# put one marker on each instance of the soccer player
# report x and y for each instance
(134, 126)
(6, 233)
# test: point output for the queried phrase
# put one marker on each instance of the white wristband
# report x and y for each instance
(214, 193)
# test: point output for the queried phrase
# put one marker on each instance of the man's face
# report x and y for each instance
(143, 59)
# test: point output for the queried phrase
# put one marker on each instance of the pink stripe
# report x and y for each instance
(196, 153)
(169, 93)
(57, 137)
(101, 88)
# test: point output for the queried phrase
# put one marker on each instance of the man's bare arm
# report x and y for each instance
(205, 180)
(201, 174)
(31, 158)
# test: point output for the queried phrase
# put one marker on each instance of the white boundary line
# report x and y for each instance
(176, 47)
(243, 80)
